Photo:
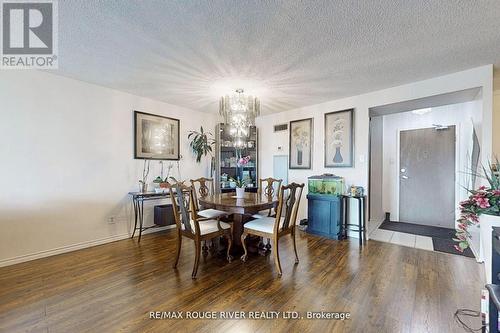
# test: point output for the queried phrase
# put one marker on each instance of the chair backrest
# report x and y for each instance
(182, 202)
(205, 187)
(288, 206)
(268, 190)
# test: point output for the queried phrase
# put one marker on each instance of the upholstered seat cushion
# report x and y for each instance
(209, 226)
(263, 213)
(264, 224)
(212, 213)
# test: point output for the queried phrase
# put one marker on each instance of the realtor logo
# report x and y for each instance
(29, 34)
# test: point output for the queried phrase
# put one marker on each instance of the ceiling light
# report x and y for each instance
(422, 111)
(239, 111)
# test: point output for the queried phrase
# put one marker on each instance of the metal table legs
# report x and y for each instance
(139, 216)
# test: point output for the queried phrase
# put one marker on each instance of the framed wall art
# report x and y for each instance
(300, 144)
(339, 139)
(156, 137)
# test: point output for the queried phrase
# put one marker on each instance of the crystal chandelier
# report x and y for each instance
(239, 112)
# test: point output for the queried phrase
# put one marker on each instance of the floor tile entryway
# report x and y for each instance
(404, 239)
(428, 238)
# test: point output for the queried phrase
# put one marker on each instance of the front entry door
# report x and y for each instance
(427, 177)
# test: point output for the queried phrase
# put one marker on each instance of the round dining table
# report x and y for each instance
(241, 209)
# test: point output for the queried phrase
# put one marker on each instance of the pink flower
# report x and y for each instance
(478, 195)
(482, 188)
(462, 226)
(482, 202)
(473, 218)
(244, 160)
(496, 193)
(458, 248)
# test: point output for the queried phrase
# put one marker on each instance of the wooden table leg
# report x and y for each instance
(238, 222)
(252, 241)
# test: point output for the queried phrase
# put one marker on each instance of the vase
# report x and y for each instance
(338, 156)
(143, 187)
(486, 222)
(299, 157)
(240, 192)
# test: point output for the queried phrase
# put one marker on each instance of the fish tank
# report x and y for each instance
(326, 184)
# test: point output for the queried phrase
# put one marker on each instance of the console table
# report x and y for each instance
(138, 199)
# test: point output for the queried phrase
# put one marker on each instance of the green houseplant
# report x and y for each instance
(201, 143)
(240, 188)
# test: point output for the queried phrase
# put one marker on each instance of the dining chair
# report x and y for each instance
(267, 191)
(280, 225)
(205, 187)
(190, 225)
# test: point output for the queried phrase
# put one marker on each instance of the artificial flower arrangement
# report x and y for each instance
(244, 160)
(484, 200)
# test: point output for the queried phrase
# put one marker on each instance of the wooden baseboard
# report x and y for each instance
(72, 247)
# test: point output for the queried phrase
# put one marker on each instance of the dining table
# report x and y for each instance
(241, 211)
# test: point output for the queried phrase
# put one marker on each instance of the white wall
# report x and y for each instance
(377, 211)
(461, 115)
(496, 123)
(67, 162)
(269, 141)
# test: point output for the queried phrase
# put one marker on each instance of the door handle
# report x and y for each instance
(404, 177)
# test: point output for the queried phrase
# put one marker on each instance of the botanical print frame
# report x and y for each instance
(300, 144)
(156, 137)
(339, 139)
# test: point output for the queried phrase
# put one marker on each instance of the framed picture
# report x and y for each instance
(339, 139)
(301, 137)
(156, 137)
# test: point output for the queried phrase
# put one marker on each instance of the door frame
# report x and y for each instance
(457, 163)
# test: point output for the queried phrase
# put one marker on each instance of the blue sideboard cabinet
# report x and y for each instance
(324, 215)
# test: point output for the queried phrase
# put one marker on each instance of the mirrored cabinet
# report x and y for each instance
(236, 159)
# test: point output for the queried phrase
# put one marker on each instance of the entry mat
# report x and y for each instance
(442, 238)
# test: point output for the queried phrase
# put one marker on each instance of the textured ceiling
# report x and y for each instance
(289, 53)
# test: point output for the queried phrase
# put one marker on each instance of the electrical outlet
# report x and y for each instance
(111, 220)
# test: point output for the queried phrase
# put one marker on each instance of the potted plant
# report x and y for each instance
(156, 184)
(482, 207)
(240, 188)
(164, 180)
(201, 145)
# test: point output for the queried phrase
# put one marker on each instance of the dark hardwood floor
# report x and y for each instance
(113, 287)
